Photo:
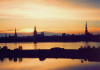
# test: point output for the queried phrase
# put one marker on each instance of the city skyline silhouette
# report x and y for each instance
(87, 36)
(35, 32)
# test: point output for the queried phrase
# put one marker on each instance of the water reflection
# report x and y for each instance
(48, 45)
(11, 59)
(35, 45)
(49, 63)
(43, 59)
(2, 59)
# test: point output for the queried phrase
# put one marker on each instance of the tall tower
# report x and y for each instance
(86, 30)
(15, 33)
(35, 32)
(5, 35)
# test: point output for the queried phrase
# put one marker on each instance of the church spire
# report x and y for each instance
(86, 31)
(35, 32)
(15, 33)
(15, 30)
(35, 28)
(86, 25)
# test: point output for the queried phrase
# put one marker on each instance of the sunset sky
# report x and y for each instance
(58, 16)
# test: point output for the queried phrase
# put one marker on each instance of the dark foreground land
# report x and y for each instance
(69, 38)
(90, 54)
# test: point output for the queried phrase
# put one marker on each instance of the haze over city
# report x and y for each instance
(56, 16)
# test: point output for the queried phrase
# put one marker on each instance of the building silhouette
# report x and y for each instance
(37, 35)
(42, 33)
(35, 32)
(86, 30)
(5, 35)
(15, 33)
(63, 34)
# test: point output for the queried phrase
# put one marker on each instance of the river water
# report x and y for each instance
(48, 63)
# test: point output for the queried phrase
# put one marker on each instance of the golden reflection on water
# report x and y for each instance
(34, 63)
(53, 64)
(48, 45)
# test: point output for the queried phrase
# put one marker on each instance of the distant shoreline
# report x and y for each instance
(70, 38)
(49, 41)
